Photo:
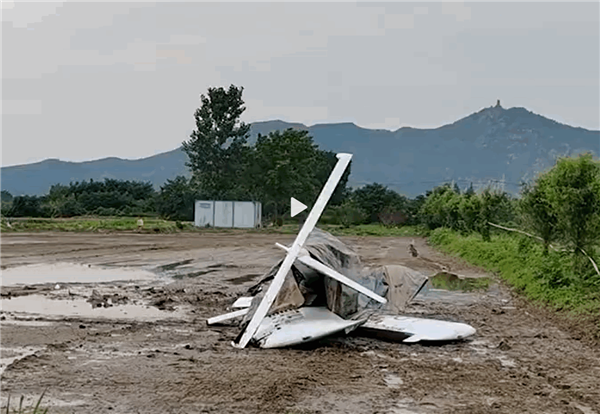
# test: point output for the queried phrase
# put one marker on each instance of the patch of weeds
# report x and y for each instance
(449, 281)
(376, 230)
(547, 279)
(23, 410)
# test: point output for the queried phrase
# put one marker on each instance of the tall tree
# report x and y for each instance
(286, 164)
(176, 200)
(217, 147)
(574, 193)
(375, 198)
(537, 213)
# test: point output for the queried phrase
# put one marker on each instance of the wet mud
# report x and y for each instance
(141, 344)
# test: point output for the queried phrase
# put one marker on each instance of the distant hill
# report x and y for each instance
(493, 145)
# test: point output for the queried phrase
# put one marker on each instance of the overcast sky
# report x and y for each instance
(85, 80)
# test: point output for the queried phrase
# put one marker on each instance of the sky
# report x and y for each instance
(88, 80)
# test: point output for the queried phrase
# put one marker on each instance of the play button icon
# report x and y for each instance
(297, 207)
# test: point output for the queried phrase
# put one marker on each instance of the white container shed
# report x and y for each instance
(228, 214)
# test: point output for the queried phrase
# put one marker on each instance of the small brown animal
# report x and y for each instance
(412, 249)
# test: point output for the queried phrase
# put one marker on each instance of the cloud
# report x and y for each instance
(24, 15)
(459, 10)
(21, 107)
(108, 75)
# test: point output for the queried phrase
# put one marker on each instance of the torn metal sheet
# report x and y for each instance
(408, 329)
(298, 326)
(320, 267)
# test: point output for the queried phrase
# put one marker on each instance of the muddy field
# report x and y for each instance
(115, 323)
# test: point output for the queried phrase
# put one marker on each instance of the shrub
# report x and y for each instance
(348, 214)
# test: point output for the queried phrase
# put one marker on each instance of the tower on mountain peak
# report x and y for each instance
(498, 104)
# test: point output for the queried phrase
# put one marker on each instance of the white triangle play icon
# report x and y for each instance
(297, 207)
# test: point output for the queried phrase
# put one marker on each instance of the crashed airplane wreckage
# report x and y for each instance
(321, 288)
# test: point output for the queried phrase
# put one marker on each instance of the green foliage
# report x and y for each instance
(87, 224)
(348, 213)
(28, 206)
(548, 279)
(5, 202)
(284, 164)
(573, 192)
(470, 191)
(456, 189)
(441, 208)
(377, 230)
(176, 200)
(217, 149)
(5, 196)
(413, 208)
(108, 197)
(376, 199)
(563, 205)
(536, 211)
(467, 212)
(22, 410)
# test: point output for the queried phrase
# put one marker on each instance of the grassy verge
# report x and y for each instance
(89, 224)
(156, 225)
(376, 230)
(547, 280)
(23, 410)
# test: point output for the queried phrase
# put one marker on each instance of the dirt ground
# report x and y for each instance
(152, 352)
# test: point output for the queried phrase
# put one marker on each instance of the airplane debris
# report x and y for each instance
(298, 326)
(243, 302)
(227, 316)
(409, 330)
(321, 288)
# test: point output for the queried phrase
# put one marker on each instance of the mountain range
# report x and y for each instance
(495, 145)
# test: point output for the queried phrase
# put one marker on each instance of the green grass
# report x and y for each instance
(90, 224)
(23, 410)
(156, 225)
(376, 230)
(451, 282)
(547, 280)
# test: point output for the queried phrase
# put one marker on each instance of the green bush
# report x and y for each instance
(375, 198)
(548, 279)
(468, 212)
(176, 200)
(348, 214)
(28, 206)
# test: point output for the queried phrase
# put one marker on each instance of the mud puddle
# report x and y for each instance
(520, 360)
(449, 281)
(40, 305)
(449, 289)
(70, 273)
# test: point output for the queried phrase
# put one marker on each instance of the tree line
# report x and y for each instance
(561, 206)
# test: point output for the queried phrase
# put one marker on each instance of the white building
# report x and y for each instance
(231, 214)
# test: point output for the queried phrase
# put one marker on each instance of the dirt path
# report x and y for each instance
(167, 360)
